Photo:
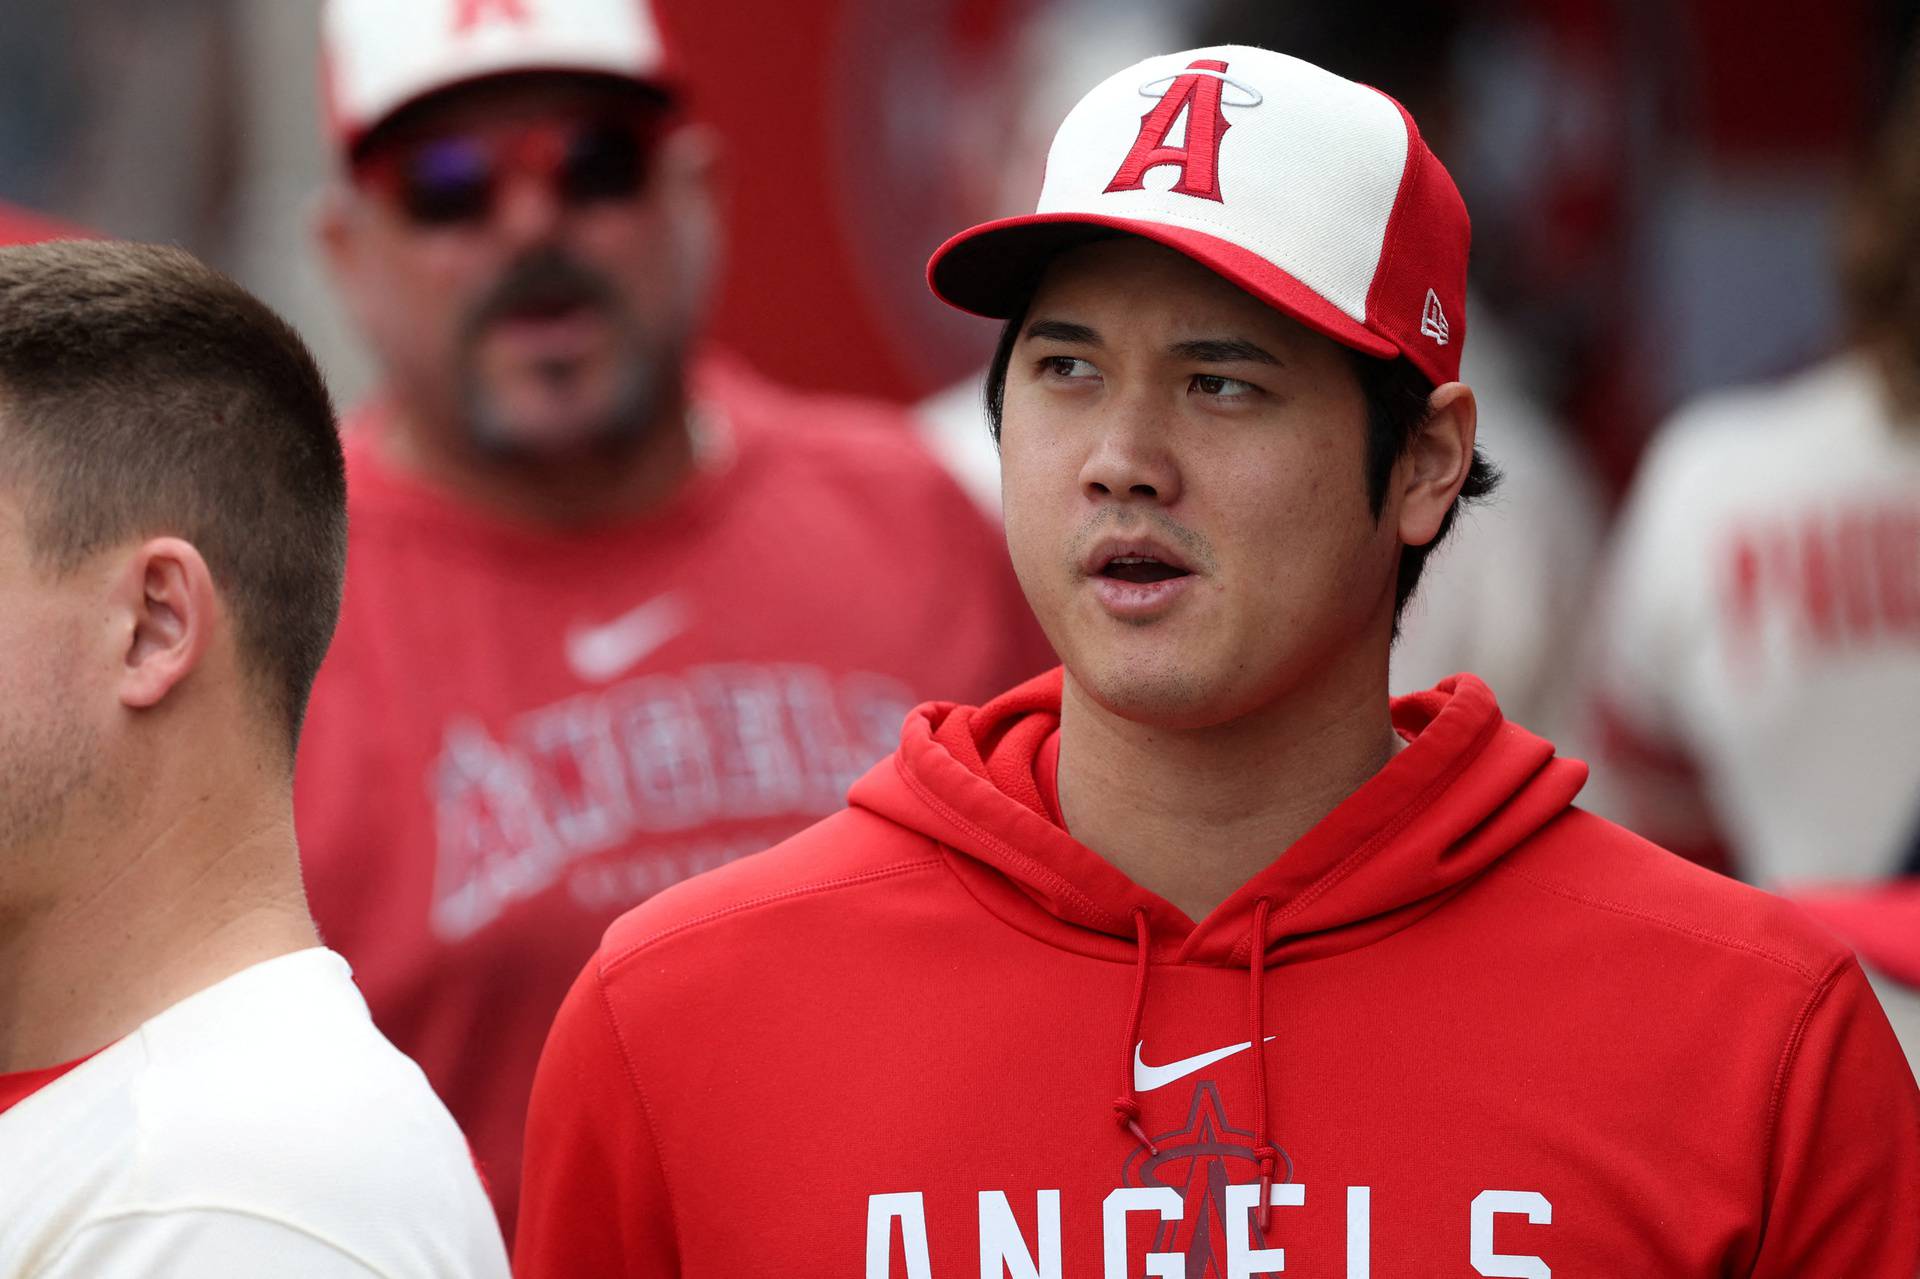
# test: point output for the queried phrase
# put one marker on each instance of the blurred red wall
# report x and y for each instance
(835, 118)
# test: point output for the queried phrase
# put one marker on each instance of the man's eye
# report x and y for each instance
(1223, 388)
(1067, 366)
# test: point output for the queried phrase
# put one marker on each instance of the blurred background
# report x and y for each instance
(1654, 186)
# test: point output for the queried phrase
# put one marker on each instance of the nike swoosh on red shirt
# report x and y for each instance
(598, 653)
(1147, 1078)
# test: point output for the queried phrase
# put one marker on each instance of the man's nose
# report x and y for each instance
(527, 209)
(1131, 459)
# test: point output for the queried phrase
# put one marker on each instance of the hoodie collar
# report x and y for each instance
(1467, 788)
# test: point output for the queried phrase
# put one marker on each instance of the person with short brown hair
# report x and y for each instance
(192, 1083)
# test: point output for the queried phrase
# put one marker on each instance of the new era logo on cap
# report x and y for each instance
(379, 55)
(1433, 320)
(1312, 192)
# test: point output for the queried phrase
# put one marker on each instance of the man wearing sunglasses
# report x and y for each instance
(618, 612)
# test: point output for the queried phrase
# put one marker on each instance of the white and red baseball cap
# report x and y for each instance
(378, 56)
(1311, 192)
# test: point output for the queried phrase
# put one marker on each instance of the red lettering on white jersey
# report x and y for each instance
(1847, 577)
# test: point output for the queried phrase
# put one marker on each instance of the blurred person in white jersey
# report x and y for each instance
(619, 609)
(189, 1083)
(1758, 644)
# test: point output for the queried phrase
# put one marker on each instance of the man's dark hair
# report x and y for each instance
(142, 394)
(1880, 248)
(1396, 395)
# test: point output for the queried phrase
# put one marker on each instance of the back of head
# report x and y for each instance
(143, 394)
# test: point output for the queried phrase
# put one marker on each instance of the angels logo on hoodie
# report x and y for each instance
(1199, 1160)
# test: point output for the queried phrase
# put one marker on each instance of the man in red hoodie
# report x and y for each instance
(1202, 958)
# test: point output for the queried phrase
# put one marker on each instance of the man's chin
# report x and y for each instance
(555, 428)
(1159, 690)
(556, 441)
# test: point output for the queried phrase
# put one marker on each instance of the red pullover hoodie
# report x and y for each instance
(1460, 1028)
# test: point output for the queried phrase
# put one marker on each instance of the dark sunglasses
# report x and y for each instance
(454, 179)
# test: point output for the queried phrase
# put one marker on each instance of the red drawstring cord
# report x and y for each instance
(1126, 1107)
(1256, 1008)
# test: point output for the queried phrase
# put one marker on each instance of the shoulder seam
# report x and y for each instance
(619, 957)
(646, 1108)
(1789, 1057)
(215, 1209)
(1621, 908)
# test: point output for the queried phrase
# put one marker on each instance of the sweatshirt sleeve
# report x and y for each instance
(593, 1194)
(1844, 1175)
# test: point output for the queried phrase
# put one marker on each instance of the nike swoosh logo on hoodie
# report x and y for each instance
(1147, 1078)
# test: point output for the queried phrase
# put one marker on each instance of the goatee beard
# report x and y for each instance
(551, 281)
(627, 421)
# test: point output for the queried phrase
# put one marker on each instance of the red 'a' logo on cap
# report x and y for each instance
(472, 13)
(1198, 92)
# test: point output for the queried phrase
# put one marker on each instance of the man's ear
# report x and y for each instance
(337, 218)
(166, 593)
(328, 221)
(1436, 462)
(690, 161)
(688, 175)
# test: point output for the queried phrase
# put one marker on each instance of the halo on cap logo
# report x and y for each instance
(1157, 88)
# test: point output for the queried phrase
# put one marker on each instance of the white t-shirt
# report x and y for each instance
(1759, 632)
(260, 1127)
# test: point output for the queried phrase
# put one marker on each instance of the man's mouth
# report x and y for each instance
(547, 309)
(544, 287)
(1140, 569)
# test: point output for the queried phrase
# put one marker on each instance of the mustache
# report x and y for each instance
(544, 279)
(1195, 546)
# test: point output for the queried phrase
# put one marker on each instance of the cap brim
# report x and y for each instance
(991, 270)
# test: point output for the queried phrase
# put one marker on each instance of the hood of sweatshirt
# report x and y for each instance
(1467, 788)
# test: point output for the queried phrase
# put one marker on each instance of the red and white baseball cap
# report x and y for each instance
(1311, 192)
(381, 55)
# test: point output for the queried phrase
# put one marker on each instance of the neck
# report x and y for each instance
(565, 490)
(136, 924)
(1194, 814)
